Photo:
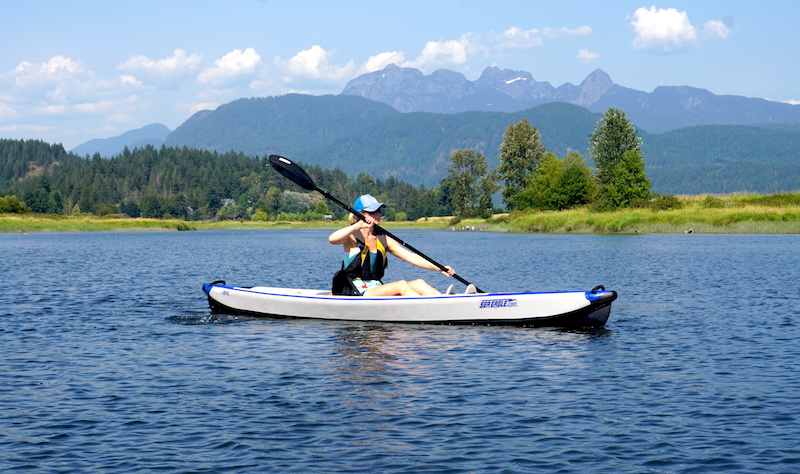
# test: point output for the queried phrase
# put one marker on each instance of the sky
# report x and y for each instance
(71, 71)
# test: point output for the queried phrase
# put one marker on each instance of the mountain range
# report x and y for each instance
(504, 90)
(401, 123)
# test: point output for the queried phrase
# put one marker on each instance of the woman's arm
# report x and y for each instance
(343, 235)
(403, 253)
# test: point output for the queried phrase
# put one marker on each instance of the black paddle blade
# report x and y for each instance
(293, 171)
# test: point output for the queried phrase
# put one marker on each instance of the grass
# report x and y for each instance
(24, 223)
(734, 216)
(774, 214)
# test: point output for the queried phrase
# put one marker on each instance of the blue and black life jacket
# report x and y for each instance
(361, 267)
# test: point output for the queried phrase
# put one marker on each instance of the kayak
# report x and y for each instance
(570, 309)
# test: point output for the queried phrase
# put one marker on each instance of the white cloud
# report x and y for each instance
(56, 69)
(54, 86)
(793, 102)
(517, 38)
(315, 63)
(587, 56)
(448, 52)
(26, 129)
(128, 79)
(7, 112)
(444, 53)
(381, 60)
(53, 109)
(160, 69)
(232, 66)
(716, 29)
(668, 30)
(565, 32)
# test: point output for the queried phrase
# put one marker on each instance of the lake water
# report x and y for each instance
(110, 360)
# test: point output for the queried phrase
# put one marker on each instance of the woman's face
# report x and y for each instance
(374, 214)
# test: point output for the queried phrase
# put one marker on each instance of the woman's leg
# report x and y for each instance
(423, 288)
(394, 288)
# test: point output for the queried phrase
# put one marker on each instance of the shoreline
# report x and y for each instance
(732, 220)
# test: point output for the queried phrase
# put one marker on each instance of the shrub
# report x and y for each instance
(712, 202)
(12, 205)
(665, 202)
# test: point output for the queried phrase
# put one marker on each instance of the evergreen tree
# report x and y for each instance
(620, 175)
(576, 185)
(520, 155)
(469, 184)
(37, 200)
(628, 184)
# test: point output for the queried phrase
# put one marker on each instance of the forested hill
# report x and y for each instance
(283, 125)
(724, 159)
(185, 183)
(362, 136)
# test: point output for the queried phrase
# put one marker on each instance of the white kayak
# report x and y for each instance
(574, 309)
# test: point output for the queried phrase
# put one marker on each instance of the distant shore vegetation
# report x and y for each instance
(43, 188)
(746, 214)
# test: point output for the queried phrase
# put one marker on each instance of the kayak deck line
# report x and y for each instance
(556, 309)
(307, 293)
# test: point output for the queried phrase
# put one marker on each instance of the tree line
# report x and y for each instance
(194, 184)
(530, 177)
(186, 184)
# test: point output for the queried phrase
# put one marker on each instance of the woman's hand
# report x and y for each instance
(369, 220)
(450, 272)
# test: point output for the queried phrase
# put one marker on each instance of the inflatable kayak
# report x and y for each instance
(572, 309)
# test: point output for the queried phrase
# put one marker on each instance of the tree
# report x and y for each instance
(152, 206)
(620, 174)
(520, 155)
(37, 200)
(628, 184)
(541, 184)
(576, 185)
(558, 184)
(469, 184)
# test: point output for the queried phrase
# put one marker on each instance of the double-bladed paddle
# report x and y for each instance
(298, 175)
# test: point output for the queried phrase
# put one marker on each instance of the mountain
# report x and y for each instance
(358, 135)
(153, 134)
(280, 125)
(411, 124)
(666, 108)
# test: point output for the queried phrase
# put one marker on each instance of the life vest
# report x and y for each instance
(362, 266)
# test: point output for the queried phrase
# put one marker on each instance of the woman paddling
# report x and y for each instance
(365, 256)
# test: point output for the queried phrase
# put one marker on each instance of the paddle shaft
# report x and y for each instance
(389, 234)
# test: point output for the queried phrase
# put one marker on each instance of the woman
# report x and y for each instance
(365, 255)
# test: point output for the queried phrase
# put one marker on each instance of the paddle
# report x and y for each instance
(298, 175)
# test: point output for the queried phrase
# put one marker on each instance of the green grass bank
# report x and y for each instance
(774, 214)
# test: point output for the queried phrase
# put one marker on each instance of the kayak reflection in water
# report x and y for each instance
(365, 259)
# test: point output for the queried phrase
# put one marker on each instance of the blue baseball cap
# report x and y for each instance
(368, 203)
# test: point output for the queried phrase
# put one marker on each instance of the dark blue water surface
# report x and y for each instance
(110, 360)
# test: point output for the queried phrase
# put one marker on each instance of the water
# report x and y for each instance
(110, 360)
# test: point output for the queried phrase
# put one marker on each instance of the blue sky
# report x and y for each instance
(75, 70)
